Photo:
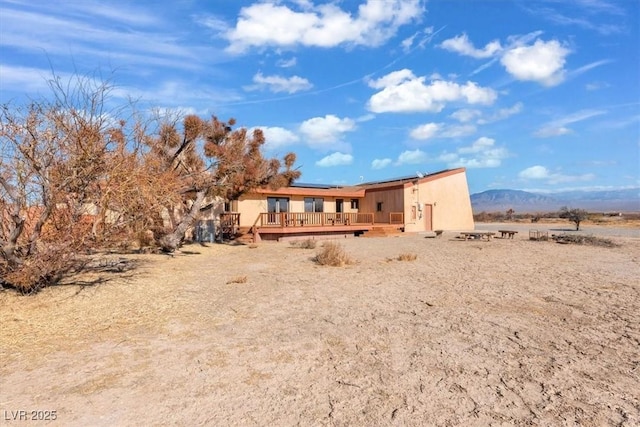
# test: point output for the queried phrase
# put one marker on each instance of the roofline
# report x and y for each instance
(310, 191)
(413, 178)
(356, 190)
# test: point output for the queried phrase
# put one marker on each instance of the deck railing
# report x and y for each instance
(311, 219)
(229, 222)
(396, 218)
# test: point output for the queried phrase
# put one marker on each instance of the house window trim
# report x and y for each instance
(314, 204)
(278, 199)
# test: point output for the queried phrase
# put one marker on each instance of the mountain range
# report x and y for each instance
(627, 200)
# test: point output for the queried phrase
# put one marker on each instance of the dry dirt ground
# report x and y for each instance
(473, 333)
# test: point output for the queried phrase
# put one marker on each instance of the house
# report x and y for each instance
(424, 202)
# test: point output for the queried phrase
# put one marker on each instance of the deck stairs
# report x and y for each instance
(244, 235)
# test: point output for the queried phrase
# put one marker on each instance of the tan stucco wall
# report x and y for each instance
(448, 195)
(451, 204)
(251, 205)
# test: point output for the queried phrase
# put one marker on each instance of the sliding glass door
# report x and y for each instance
(276, 205)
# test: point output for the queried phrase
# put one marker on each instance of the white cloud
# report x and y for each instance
(480, 145)
(327, 132)
(277, 137)
(559, 126)
(335, 159)
(543, 174)
(278, 84)
(439, 130)
(534, 172)
(457, 131)
(365, 118)
(502, 114)
(403, 92)
(394, 78)
(29, 79)
(408, 43)
(425, 131)
(286, 63)
(463, 46)
(597, 86)
(325, 25)
(412, 157)
(380, 163)
(551, 131)
(542, 62)
(328, 128)
(481, 154)
(465, 115)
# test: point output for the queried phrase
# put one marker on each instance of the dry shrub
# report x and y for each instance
(237, 279)
(333, 254)
(407, 256)
(580, 239)
(144, 238)
(304, 244)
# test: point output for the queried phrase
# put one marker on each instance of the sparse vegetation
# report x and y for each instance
(578, 239)
(237, 279)
(304, 244)
(333, 254)
(510, 214)
(574, 215)
(407, 256)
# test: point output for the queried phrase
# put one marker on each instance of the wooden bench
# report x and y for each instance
(477, 235)
(507, 233)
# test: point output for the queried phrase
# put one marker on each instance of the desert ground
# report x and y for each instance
(473, 333)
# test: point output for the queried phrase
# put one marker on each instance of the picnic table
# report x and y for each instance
(507, 233)
(477, 234)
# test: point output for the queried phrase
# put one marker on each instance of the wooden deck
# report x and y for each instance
(282, 224)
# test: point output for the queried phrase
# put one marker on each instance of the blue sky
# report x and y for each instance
(539, 95)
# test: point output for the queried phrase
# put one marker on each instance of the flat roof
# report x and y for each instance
(354, 190)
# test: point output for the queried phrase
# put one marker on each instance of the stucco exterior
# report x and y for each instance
(438, 201)
(445, 197)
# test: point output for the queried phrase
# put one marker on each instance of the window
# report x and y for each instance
(379, 207)
(277, 204)
(313, 204)
(355, 204)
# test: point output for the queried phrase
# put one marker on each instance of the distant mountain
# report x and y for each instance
(523, 201)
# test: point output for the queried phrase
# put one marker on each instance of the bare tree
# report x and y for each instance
(210, 159)
(510, 213)
(53, 155)
(76, 177)
(574, 215)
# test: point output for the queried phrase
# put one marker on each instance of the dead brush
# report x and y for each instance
(304, 244)
(237, 279)
(581, 239)
(407, 256)
(333, 254)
